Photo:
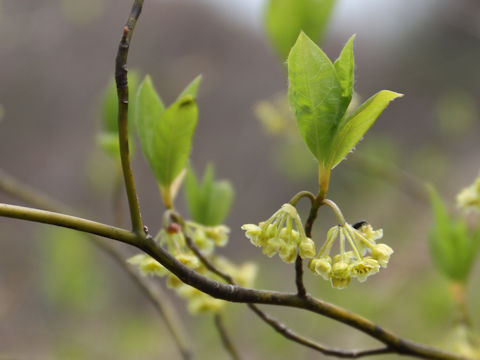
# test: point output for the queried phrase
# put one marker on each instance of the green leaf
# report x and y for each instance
(191, 89)
(284, 19)
(110, 104)
(315, 95)
(166, 134)
(209, 202)
(453, 248)
(172, 140)
(149, 110)
(345, 68)
(353, 127)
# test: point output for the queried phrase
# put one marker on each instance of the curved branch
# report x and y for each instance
(122, 92)
(279, 326)
(230, 292)
(15, 188)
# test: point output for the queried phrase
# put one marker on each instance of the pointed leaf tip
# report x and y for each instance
(352, 128)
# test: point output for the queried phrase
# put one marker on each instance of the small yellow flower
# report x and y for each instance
(148, 265)
(189, 260)
(207, 237)
(340, 275)
(306, 249)
(361, 269)
(205, 304)
(321, 267)
(469, 198)
(382, 253)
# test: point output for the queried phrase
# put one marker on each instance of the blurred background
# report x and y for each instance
(60, 298)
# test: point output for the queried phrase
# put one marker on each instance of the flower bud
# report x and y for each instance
(321, 267)
(306, 248)
(382, 253)
(272, 246)
(288, 253)
(188, 260)
(340, 275)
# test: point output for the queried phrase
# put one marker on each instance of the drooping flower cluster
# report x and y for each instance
(173, 238)
(282, 234)
(469, 197)
(364, 259)
(207, 237)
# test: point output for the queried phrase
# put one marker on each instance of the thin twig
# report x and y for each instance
(122, 92)
(226, 341)
(15, 188)
(292, 335)
(279, 326)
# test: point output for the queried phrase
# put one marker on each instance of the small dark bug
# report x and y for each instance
(359, 224)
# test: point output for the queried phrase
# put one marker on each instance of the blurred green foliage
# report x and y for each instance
(71, 272)
(456, 111)
(453, 246)
(284, 19)
(107, 139)
(209, 201)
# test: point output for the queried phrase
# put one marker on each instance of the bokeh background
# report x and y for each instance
(60, 298)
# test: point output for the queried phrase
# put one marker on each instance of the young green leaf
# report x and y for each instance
(191, 89)
(315, 95)
(345, 68)
(172, 140)
(149, 110)
(284, 19)
(353, 127)
(209, 202)
(166, 134)
(453, 247)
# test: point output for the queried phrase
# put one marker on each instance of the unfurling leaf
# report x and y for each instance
(209, 202)
(166, 134)
(284, 19)
(345, 68)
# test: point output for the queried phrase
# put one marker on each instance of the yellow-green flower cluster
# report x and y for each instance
(207, 237)
(464, 341)
(469, 197)
(198, 302)
(282, 234)
(364, 259)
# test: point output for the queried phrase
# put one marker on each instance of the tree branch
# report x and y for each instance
(122, 92)
(230, 292)
(226, 341)
(15, 188)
